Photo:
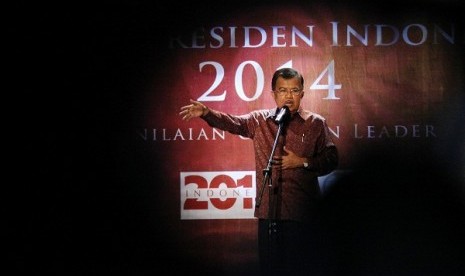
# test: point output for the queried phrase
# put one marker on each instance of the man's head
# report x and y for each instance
(287, 87)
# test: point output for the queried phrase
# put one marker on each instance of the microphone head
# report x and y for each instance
(283, 114)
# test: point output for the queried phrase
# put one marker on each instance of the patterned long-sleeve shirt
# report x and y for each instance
(295, 192)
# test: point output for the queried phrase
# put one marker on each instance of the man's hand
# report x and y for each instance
(289, 161)
(195, 109)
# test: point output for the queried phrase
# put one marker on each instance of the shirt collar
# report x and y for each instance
(304, 114)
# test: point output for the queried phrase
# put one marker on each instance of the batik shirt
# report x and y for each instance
(295, 192)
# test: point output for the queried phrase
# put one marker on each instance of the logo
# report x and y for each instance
(217, 195)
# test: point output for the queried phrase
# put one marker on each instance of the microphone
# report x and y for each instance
(283, 115)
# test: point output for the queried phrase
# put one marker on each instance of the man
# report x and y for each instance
(304, 150)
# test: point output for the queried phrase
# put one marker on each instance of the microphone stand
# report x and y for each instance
(267, 181)
(281, 118)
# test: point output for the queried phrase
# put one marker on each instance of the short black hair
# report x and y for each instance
(286, 73)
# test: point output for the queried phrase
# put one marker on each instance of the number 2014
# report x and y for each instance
(329, 72)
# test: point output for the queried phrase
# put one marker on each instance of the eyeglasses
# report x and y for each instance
(283, 91)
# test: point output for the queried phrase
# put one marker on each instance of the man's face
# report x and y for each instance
(288, 92)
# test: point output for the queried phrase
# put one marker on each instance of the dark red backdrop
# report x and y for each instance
(392, 92)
